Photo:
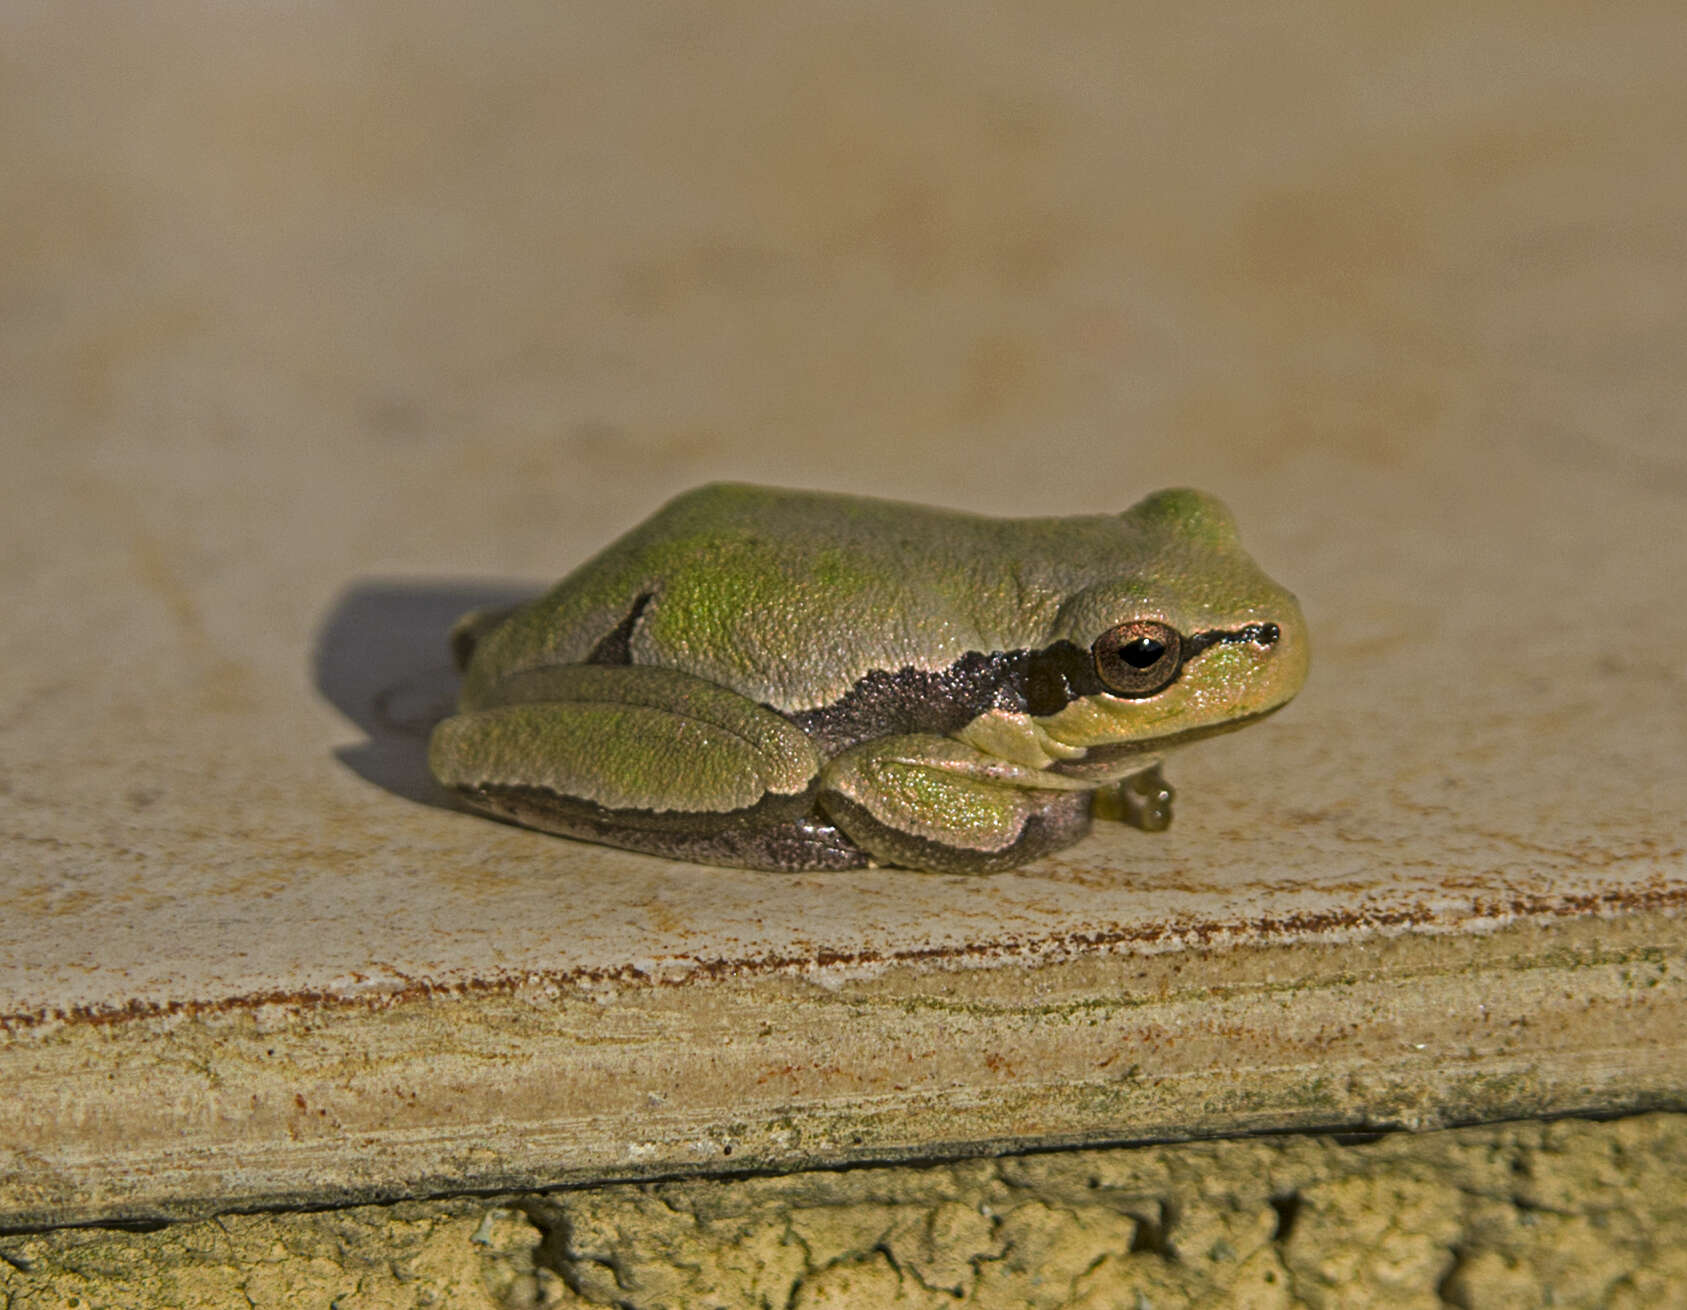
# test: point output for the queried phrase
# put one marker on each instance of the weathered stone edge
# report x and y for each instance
(186, 1115)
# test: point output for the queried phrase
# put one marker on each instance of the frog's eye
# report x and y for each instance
(1138, 658)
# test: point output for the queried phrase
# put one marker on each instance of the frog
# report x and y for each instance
(790, 680)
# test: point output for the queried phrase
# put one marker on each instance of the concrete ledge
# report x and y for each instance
(548, 1081)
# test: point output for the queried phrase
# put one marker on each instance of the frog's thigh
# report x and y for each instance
(575, 749)
(931, 802)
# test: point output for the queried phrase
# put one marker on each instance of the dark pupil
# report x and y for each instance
(1143, 653)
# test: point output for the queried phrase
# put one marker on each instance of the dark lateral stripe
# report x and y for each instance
(1038, 682)
(943, 701)
(616, 646)
(1261, 634)
(940, 701)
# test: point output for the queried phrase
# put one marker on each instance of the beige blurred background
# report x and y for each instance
(475, 271)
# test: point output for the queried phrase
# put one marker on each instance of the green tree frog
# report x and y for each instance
(794, 680)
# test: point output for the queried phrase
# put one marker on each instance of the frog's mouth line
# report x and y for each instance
(1212, 729)
(1155, 745)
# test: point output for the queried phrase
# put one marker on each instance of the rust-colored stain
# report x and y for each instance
(1199, 934)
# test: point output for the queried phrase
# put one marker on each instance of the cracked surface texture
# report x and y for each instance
(1568, 1213)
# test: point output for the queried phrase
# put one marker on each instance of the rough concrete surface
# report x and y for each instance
(1564, 1214)
(190, 1113)
(319, 323)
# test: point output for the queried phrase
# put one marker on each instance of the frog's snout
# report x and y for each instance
(1289, 653)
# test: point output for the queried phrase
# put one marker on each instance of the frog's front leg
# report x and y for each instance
(930, 802)
(644, 758)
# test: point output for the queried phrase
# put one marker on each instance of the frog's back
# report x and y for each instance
(789, 597)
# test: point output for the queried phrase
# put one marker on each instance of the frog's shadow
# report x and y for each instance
(381, 658)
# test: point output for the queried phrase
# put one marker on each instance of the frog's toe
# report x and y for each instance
(1143, 800)
(467, 631)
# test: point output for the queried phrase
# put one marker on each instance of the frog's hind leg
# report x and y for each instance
(647, 759)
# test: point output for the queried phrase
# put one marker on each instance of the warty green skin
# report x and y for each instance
(671, 693)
